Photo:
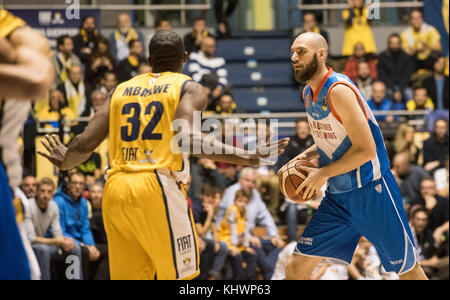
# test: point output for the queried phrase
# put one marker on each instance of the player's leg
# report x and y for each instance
(416, 273)
(300, 267)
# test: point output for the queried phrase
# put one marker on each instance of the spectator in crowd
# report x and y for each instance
(108, 82)
(226, 105)
(357, 28)
(359, 54)
(56, 110)
(144, 68)
(437, 84)
(257, 213)
(129, 67)
(99, 62)
(161, 23)
(210, 84)
(437, 206)
(298, 143)
(420, 40)
(74, 91)
(97, 226)
(213, 251)
(205, 171)
(98, 98)
(44, 229)
(64, 58)
(193, 40)
(74, 220)
(366, 263)
(364, 80)
(233, 230)
(29, 186)
(91, 168)
(310, 24)
(436, 148)
(404, 143)
(441, 177)
(379, 102)
(84, 41)
(205, 62)
(421, 101)
(408, 177)
(120, 37)
(395, 69)
(423, 239)
(222, 17)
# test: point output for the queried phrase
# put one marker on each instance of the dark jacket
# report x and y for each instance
(395, 70)
(295, 147)
(430, 84)
(434, 150)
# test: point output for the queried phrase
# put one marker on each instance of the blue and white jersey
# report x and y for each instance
(332, 140)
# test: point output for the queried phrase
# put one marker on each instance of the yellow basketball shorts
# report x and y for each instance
(150, 228)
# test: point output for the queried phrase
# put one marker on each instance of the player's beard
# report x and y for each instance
(309, 71)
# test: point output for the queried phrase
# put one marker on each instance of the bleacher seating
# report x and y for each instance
(274, 99)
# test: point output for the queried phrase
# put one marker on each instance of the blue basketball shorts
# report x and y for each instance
(376, 212)
(13, 259)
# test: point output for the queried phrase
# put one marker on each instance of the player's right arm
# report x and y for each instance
(195, 100)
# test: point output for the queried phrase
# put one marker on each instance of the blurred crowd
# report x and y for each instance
(246, 228)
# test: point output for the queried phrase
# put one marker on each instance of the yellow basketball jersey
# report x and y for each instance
(8, 22)
(141, 114)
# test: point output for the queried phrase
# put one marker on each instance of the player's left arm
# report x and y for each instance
(363, 149)
(82, 146)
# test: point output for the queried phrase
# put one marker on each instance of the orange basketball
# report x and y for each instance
(292, 177)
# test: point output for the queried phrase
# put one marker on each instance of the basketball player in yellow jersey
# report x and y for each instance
(149, 225)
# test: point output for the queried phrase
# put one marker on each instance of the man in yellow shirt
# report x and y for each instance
(55, 112)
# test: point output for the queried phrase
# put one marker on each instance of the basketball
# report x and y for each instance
(292, 177)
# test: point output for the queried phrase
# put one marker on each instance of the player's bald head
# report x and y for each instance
(166, 52)
(311, 40)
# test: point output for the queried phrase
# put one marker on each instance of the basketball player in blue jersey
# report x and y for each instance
(26, 73)
(362, 198)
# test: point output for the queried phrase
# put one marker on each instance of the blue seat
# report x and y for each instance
(275, 99)
(235, 50)
(264, 74)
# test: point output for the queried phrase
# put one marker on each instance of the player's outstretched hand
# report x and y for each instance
(265, 153)
(56, 150)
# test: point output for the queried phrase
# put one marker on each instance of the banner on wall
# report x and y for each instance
(436, 14)
(55, 22)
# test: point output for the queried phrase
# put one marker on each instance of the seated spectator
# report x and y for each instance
(420, 40)
(144, 68)
(44, 229)
(404, 143)
(213, 252)
(84, 41)
(364, 80)
(210, 84)
(395, 69)
(205, 171)
(266, 248)
(193, 40)
(74, 91)
(421, 101)
(99, 62)
(98, 99)
(91, 168)
(351, 65)
(161, 23)
(120, 37)
(366, 263)
(436, 148)
(129, 67)
(56, 110)
(29, 186)
(379, 102)
(75, 223)
(204, 62)
(226, 105)
(108, 82)
(408, 177)
(437, 206)
(441, 177)
(426, 243)
(437, 84)
(234, 232)
(357, 28)
(97, 226)
(64, 58)
(310, 24)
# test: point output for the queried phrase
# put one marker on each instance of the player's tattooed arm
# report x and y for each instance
(195, 100)
(82, 146)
